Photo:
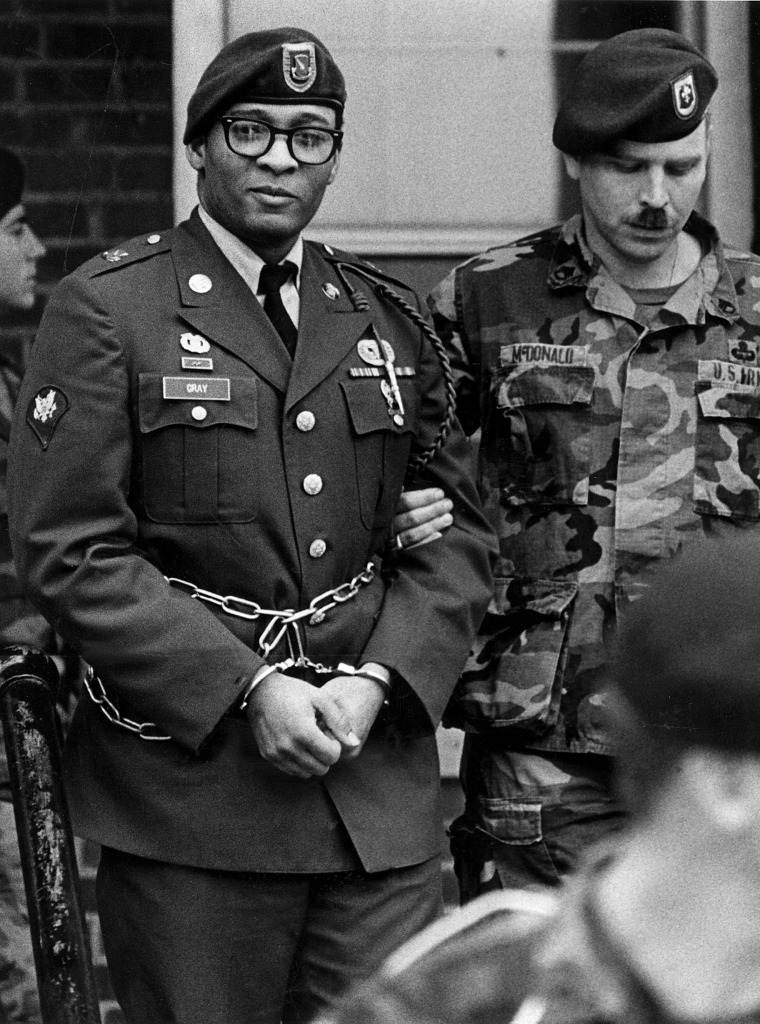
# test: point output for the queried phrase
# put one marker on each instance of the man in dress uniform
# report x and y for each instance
(20, 251)
(663, 924)
(612, 364)
(211, 438)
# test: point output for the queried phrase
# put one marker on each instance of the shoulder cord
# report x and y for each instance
(359, 301)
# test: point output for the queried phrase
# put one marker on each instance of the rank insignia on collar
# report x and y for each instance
(330, 290)
(194, 343)
(114, 255)
(45, 412)
(299, 65)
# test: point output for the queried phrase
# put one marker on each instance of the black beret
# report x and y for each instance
(648, 85)
(687, 656)
(11, 180)
(282, 65)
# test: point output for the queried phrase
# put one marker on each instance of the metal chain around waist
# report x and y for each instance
(283, 624)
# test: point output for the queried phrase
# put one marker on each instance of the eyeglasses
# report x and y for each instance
(306, 144)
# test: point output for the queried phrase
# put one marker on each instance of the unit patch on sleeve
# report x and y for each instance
(45, 412)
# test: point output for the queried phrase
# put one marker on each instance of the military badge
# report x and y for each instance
(197, 363)
(194, 343)
(299, 65)
(369, 352)
(330, 290)
(684, 95)
(45, 411)
(114, 255)
(744, 352)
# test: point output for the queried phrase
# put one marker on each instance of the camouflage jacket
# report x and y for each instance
(607, 442)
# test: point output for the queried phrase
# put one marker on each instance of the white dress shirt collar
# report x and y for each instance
(248, 264)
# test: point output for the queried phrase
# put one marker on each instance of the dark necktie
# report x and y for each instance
(273, 277)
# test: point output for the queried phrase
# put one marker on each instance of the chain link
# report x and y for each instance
(142, 729)
(283, 624)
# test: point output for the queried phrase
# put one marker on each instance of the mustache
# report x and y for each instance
(651, 220)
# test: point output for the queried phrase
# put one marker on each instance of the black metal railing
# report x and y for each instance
(28, 687)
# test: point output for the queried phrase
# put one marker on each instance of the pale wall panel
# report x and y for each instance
(448, 121)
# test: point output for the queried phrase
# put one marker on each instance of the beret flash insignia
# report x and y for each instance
(685, 95)
(299, 65)
(45, 412)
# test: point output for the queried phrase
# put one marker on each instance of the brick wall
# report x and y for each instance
(85, 99)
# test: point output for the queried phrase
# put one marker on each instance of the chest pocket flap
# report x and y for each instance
(156, 412)
(202, 460)
(368, 407)
(544, 385)
(727, 452)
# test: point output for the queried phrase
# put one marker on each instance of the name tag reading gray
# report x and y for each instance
(213, 389)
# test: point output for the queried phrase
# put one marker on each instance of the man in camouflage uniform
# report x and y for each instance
(20, 249)
(662, 924)
(612, 364)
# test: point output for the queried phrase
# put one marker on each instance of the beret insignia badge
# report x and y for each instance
(684, 95)
(299, 65)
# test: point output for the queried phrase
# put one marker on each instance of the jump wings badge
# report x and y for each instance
(684, 95)
(45, 412)
(299, 65)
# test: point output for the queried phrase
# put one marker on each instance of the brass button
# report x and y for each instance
(199, 413)
(317, 548)
(305, 421)
(312, 484)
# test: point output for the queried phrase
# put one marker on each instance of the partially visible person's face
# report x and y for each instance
(637, 198)
(20, 249)
(268, 200)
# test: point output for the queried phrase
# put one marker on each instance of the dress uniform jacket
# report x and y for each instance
(609, 440)
(115, 486)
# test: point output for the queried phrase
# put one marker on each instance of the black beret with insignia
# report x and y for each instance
(11, 180)
(687, 655)
(648, 85)
(282, 65)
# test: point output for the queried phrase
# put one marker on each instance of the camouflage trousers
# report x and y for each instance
(19, 1000)
(528, 816)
